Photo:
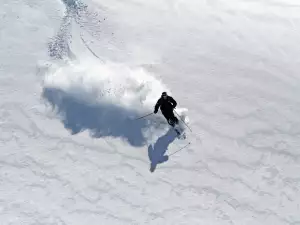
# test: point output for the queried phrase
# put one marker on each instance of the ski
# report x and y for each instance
(181, 135)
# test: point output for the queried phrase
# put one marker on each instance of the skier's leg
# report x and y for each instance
(173, 117)
(168, 117)
(172, 120)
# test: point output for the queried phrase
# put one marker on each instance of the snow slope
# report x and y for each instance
(74, 75)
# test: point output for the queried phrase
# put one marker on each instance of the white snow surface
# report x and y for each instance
(75, 74)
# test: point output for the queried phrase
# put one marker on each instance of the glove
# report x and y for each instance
(155, 111)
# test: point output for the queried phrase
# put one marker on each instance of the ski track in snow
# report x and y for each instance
(242, 91)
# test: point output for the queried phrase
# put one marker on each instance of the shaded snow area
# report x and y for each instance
(104, 99)
(76, 75)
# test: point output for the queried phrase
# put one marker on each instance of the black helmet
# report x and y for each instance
(164, 94)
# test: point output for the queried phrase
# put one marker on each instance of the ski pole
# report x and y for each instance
(183, 121)
(180, 149)
(143, 116)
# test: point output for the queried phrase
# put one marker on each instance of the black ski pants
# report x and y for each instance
(170, 117)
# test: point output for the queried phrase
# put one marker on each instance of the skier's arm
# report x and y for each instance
(157, 105)
(172, 100)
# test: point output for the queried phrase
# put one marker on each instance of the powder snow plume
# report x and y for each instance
(104, 98)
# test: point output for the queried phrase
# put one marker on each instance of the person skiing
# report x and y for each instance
(167, 104)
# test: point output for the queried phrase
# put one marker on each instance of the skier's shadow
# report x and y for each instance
(157, 151)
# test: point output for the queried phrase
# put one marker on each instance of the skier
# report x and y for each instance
(167, 104)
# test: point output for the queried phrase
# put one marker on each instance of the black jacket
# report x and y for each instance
(165, 104)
